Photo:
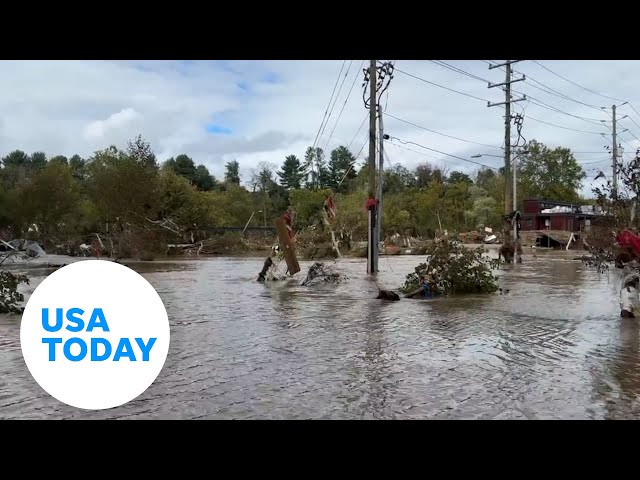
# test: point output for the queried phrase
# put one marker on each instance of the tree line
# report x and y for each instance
(57, 198)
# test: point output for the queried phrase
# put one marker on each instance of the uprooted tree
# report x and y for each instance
(620, 206)
(455, 269)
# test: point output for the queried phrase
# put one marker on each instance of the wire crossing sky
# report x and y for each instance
(255, 111)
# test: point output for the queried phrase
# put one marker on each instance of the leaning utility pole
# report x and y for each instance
(615, 156)
(372, 249)
(507, 125)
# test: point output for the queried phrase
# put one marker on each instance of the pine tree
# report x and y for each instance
(291, 173)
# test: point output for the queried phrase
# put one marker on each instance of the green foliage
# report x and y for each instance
(124, 190)
(10, 298)
(292, 173)
(455, 269)
(549, 174)
(232, 172)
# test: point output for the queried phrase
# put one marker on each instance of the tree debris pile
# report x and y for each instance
(10, 298)
(325, 273)
(455, 269)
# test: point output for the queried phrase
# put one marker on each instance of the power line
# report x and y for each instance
(574, 83)
(359, 128)
(344, 104)
(442, 153)
(414, 151)
(329, 104)
(547, 89)
(560, 126)
(336, 98)
(441, 86)
(439, 133)
(540, 103)
(459, 70)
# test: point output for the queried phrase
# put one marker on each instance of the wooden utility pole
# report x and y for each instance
(615, 155)
(372, 249)
(508, 194)
(380, 174)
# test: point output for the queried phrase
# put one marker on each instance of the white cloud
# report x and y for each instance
(275, 108)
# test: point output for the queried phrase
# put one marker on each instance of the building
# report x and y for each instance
(557, 224)
(561, 216)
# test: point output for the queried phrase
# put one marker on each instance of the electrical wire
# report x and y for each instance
(441, 152)
(574, 83)
(336, 98)
(440, 86)
(359, 128)
(440, 133)
(315, 142)
(343, 106)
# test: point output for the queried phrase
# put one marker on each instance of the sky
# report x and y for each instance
(262, 111)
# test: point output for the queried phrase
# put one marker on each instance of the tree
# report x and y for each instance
(262, 178)
(549, 174)
(426, 172)
(59, 159)
(78, 167)
(182, 165)
(316, 165)
(203, 180)
(49, 197)
(17, 158)
(459, 177)
(140, 151)
(292, 173)
(38, 160)
(397, 178)
(340, 169)
(232, 172)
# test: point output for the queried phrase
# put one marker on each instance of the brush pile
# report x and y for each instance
(321, 272)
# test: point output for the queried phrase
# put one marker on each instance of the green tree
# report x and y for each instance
(50, 197)
(38, 160)
(59, 159)
(292, 173)
(232, 172)
(550, 174)
(397, 179)
(341, 168)
(182, 165)
(459, 177)
(316, 166)
(140, 151)
(203, 180)
(78, 167)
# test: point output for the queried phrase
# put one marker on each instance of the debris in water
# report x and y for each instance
(326, 273)
(388, 295)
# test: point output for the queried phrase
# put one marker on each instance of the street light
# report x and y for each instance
(478, 155)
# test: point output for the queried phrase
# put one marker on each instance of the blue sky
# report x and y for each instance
(262, 111)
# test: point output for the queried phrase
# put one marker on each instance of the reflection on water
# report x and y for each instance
(552, 347)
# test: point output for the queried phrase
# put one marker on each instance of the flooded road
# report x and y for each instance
(554, 347)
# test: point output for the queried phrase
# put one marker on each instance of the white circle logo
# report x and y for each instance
(94, 334)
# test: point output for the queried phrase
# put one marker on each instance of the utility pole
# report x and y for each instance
(372, 250)
(380, 173)
(615, 155)
(508, 100)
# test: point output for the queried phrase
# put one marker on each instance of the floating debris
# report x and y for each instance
(323, 272)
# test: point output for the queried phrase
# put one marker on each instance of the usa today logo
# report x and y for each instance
(95, 334)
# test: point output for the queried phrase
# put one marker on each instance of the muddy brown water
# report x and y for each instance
(553, 347)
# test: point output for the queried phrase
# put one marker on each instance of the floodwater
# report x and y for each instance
(553, 347)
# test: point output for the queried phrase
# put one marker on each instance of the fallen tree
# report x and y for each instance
(454, 269)
(10, 298)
